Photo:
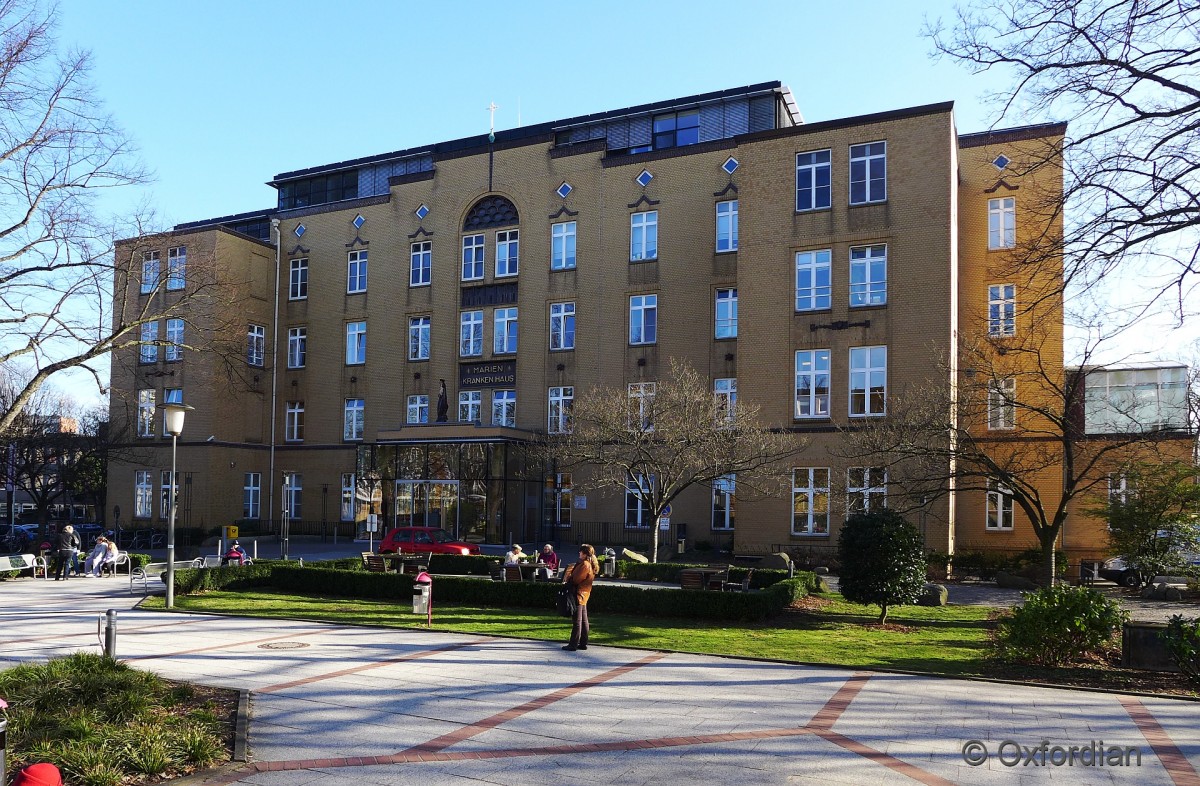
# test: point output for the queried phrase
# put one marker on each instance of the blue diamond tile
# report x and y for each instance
(1001, 161)
(300, 230)
(644, 178)
(564, 189)
(731, 164)
(421, 212)
(359, 221)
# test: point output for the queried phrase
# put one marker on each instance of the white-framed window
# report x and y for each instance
(298, 279)
(725, 391)
(293, 490)
(418, 409)
(814, 280)
(508, 253)
(174, 350)
(561, 400)
(297, 347)
(504, 337)
(143, 494)
(470, 334)
(470, 406)
(148, 350)
(868, 173)
(356, 343)
(641, 405)
(643, 236)
(727, 226)
(813, 185)
(810, 501)
(256, 345)
(293, 422)
(1120, 490)
(868, 381)
(164, 493)
(1002, 310)
(472, 257)
(812, 383)
(504, 408)
(562, 326)
(724, 502)
(145, 420)
(999, 506)
(354, 419)
(252, 495)
(348, 495)
(1002, 404)
(1002, 223)
(170, 396)
(637, 501)
(176, 268)
(562, 246)
(868, 275)
(356, 272)
(643, 319)
(418, 338)
(866, 489)
(727, 315)
(420, 271)
(150, 271)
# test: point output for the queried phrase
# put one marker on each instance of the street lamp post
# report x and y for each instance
(174, 413)
(284, 525)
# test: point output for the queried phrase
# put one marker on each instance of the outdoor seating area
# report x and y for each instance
(393, 563)
(526, 571)
(713, 578)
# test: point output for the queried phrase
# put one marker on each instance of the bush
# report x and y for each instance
(192, 580)
(1058, 625)
(883, 560)
(1182, 638)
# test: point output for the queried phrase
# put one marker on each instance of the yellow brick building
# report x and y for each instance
(810, 268)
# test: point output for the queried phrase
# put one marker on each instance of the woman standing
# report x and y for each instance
(580, 577)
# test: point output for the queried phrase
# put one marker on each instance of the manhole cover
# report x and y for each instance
(282, 645)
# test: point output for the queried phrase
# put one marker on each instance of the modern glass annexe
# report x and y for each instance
(488, 491)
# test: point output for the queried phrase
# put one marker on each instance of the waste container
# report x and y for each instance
(421, 599)
(681, 545)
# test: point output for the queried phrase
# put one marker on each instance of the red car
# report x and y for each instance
(423, 540)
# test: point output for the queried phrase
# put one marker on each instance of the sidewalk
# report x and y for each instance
(335, 704)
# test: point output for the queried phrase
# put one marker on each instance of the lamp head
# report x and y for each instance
(174, 414)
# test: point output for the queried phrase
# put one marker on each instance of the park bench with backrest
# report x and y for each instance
(25, 562)
(156, 570)
(373, 563)
(122, 558)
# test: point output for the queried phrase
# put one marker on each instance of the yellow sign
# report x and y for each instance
(231, 532)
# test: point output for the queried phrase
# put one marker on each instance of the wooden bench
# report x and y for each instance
(373, 563)
(157, 570)
(740, 586)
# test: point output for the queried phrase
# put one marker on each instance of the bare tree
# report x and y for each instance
(1126, 75)
(58, 263)
(1013, 428)
(660, 438)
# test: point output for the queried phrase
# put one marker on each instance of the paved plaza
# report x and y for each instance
(335, 704)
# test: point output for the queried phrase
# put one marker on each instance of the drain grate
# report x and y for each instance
(282, 645)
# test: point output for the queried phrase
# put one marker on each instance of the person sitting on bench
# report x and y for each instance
(235, 552)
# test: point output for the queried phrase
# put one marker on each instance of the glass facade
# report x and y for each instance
(487, 492)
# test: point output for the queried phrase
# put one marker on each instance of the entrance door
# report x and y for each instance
(427, 503)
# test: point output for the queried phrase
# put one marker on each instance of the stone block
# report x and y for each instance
(934, 595)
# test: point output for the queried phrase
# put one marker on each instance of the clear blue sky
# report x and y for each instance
(222, 95)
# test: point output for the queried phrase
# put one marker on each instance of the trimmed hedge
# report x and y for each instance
(192, 580)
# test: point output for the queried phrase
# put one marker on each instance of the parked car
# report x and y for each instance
(1116, 570)
(424, 540)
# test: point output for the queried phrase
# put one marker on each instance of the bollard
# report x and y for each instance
(302, 562)
(110, 634)
(255, 550)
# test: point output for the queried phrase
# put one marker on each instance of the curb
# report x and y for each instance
(240, 758)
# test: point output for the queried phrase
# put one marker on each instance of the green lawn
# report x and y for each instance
(947, 640)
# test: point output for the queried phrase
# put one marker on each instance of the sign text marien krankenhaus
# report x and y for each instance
(497, 374)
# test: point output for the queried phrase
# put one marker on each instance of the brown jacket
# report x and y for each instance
(580, 576)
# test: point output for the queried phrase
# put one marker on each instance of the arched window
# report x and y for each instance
(491, 211)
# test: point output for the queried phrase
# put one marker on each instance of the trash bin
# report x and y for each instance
(681, 545)
(610, 564)
(421, 599)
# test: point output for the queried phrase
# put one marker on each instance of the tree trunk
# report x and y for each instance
(1048, 564)
(654, 540)
(883, 614)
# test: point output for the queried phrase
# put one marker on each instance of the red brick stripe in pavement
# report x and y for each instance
(478, 727)
(367, 666)
(837, 704)
(1174, 762)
